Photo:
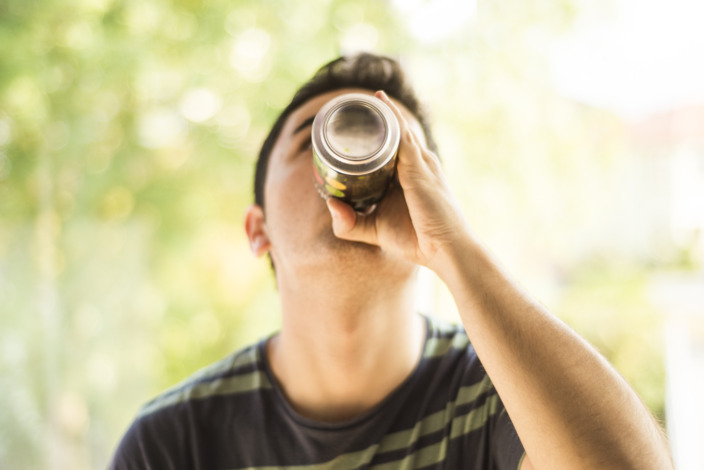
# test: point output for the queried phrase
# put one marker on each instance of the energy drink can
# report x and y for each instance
(355, 141)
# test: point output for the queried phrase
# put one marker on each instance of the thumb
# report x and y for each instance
(350, 225)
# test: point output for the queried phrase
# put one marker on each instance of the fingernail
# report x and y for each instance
(384, 95)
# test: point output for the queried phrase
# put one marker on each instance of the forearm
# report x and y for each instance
(570, 407)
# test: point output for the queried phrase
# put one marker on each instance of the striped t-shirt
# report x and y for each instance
(234, 415)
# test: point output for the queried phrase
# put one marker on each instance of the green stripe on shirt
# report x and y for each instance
(424, 456)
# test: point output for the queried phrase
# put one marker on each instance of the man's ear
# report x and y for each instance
(259, 241)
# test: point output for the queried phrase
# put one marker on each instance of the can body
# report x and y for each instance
(355, 141)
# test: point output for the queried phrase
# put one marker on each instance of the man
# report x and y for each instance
(356, 378)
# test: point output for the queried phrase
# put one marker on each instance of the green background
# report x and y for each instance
(128, 134)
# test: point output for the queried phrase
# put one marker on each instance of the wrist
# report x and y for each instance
(469, 270)
(454, 257)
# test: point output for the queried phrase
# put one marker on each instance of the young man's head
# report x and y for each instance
(297, 230)
(365, 71)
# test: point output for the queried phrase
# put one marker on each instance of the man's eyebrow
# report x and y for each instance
(304, 124)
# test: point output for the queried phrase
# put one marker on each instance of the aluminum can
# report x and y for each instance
(355, 141)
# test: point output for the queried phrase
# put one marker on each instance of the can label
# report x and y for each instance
(355, 143)
(360, 191)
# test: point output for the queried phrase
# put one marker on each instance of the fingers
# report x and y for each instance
(349, 225)
(411, 141)
(407, 136)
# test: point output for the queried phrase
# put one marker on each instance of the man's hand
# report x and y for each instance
(414, 221)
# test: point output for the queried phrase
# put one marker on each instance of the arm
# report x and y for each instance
(570, 408)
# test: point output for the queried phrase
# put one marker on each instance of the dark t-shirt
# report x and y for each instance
(233, 415)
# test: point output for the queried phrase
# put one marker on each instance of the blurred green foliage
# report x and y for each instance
(128, 134)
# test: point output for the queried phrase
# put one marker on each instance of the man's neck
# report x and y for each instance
(342, 350)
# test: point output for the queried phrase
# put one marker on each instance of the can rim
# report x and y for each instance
(341, 163)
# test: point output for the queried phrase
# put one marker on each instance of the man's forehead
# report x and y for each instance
(311, 107)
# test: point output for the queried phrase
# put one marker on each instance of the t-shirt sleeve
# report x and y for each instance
(148, 444)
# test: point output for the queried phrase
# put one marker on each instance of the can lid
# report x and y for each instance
(355, 130)
(355, 133)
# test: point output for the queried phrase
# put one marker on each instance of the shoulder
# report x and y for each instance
(158, 435)
(445, 338)
(478, 425)
(448, 348)
(450, 357)
(240, 372)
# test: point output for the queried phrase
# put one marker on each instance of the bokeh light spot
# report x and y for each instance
(200, 105)
(159, 127)
(117, 203)
(249, 49)
(5, 131)
(360, 37)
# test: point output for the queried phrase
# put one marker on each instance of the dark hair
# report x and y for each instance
(368, 71)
